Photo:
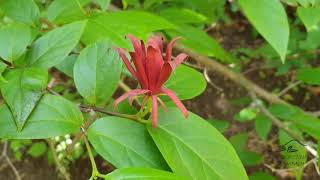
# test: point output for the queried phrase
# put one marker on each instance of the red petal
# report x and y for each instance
(154, 65)
(132, 93)
(126, 61)
(178, 60)
(140, 67)
(176, 100)
(156, 42)
(164, 74)
(169, 48)
(136, 45)
(154, 111)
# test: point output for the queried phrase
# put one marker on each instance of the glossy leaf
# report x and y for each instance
(14, 39)
(22, 91)
(53, 116)
(53, 47)
(270, 19)
(186, 82)
(25, 11)
(309, 75)
(141, 174)
(263, 126)
(182, 15)
(310, 16)
(65, 11)
(195, 149)
(125, 143)
(97, 72)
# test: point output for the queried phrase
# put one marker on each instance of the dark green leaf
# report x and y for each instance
(37, 149)
(23, 90)
(97, 72)
(53, 47)
(53, 116)
(270, 19)
(239, 141)
(220, 125)
(25, 11)
(261, 176)
(141, 174)
(263, 126)
(14, 39)
(125, 143)
(195, 149)
(309, 75)
(250, 158)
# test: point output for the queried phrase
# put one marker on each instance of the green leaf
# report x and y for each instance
(246, 114)
(201, 42)
(125, 143)
(270, 19)
(141, 174)
(263, 126)
(186, 82)
(53, 116)
(310, 16)
(65, 11)
(250, 158)
(220, 125)
(195, 149)
(14, 39)
(239, 141)
(183, 15)
(25, 11)
(309, 75)
(66, 66)
(37, 149)
(116, 25)
(262, 176)
(22, 92)
(103, 4)
(3, 67)
(97, 72)
(52, 48)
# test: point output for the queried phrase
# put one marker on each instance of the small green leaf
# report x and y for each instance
(37, 149)
(66, 66)
(103, 4)
(65, 11)
(141, 174)
(186, 82)
(25, 11)
(125, 143)
(261, 176)
(195, 149)
(250, 158)
(310, 16)
(182, 15)
(246, 114)
(220, 125)
(239, 141)
(263, 126)
(309, 75)
(53, 116)
(23, 91)
(52, 48)
(270, 19)
(97, 72)
(14, 39)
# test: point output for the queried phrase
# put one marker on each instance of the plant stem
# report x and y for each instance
(95, 171)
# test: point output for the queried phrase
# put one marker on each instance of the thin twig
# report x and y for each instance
(288, 88)
(206, 76)
(6, 158)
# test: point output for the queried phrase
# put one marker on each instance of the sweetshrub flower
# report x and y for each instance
(152, 70)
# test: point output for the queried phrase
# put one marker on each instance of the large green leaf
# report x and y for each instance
(115, 26)
(66, 66)
(125, 143)
(14, 39)
(186, 82)
(65, 11)
(22, 91)
(53, 116)
(25, 11)
(53, 47)
(195, 149)
(97, 72)
(310, 16)
(183, 15)
(141, 174)
(270, 19)
(309, 75)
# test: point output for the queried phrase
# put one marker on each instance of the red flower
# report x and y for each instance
(152, 70)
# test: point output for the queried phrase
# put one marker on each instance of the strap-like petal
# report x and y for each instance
(132, 93)
(141, 70)
(154, 111)
(170, 47)
(126, 61)
(178, 60)
(154, 65)
(176, 100)
(156, 42)
(164, 74)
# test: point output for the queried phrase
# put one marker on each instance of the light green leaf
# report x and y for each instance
(25, 11)
(262, 176)
(125, 143)
(270, 19)
(246, 114)
(195, 149)
(183, 15)
(186, 82)
(309, 75)
(65, 11)
(263, 126)
(53, 116)
(221, 125)
(141, 174)
(103, 4)
(37, 149)
(3, 67)
(50, 49)
(66, 66)
(310, 16)
(22, 91)
(97, 72)
(115, 26)
(14, 39)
